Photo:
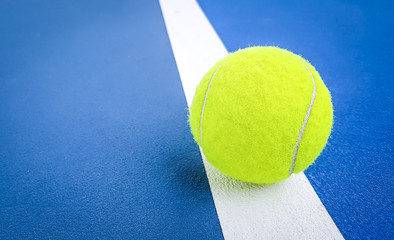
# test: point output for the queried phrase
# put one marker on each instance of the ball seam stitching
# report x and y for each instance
(203, 105)
(308, 113)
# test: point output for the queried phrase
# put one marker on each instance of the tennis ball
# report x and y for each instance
(260, 114)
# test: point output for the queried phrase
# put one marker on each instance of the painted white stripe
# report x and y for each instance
(286, 210)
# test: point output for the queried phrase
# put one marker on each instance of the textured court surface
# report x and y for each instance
(94, 139)
(94, 142)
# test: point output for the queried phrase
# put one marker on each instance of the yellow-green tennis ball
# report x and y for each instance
(260, 114)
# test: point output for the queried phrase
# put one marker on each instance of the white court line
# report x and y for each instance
(286, 210)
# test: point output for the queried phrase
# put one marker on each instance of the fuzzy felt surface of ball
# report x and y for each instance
(261, 114)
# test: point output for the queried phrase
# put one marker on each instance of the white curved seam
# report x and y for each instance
(203, 105)
(308, 113)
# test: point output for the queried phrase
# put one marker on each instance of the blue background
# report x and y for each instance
(94, 140)
(351, 45)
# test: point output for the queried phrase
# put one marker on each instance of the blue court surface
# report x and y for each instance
(94, 134)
